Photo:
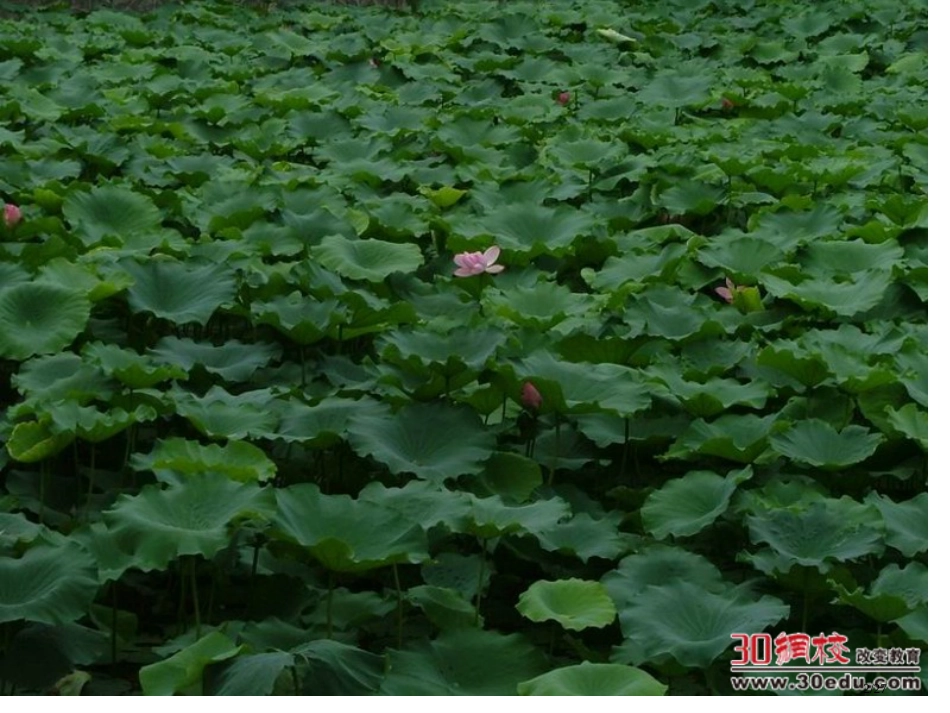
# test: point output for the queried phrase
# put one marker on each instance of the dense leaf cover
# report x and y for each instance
(496, 348)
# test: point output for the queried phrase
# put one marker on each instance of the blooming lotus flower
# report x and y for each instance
(564, 98)
(11, 214)
(476, 263)
(530, 396)
(728, 292)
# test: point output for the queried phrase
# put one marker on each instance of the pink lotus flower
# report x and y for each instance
(564, 98)
(727, 292)
(476, 263)
(11, 214)
(530, 396)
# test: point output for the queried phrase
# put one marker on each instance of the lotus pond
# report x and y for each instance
(492, 348)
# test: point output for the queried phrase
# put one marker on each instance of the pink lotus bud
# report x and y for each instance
(727, 104)
(11, 214)
(564, 98)
(530, 396)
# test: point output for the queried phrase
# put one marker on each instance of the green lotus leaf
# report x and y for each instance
(847, 299)
(465, 662)
(40, 656)
(817, 443)
(178, 291)
(585, 387)
(593, 679)
(253, 675)
(827, 530)
(744, 256)
(659, 565)
(844, 257)
(905, 522)
(806, 367)
(192, 517)
(910, 421)
(915, 624)
(325, 423)
(62, 377)
(433, 441)
(303, 319)
(443, 197)
(92, 425)
(658, 265)
(542, 305)
(585, 537)
(686, 505)
(511, 476)
(348, 535)
(676, 89)
(333, 668)
(132, 369)
(713, 395)
(694, 626)
(110, 212)
(39, 318)
(15, 528)
(738, 438)
(232, 361)
(449, 353)
(219, 414)
(424, 502)
(366, 259)
(444, 607)
(238, 460)
(692, 198)
(33, 441)
(53, 585)
(667, 312)
(575, 604)
(788, 230)
(913, 362)
(895, 593)
(527, 228)
(183, 672)
(491, 517)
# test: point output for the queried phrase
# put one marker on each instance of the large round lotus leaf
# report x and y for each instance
(39, 318)
(178, 291)
(348, 535)
(434, 441)
(446, 608)
(582, 388)
(423, 349)
(492, 517)
(239, 460)
(62, 377)
(254, 675)
(130, 367)
(326, 423)
(817, 443)
(193, 517)
(895, 593)
(828, 530)
(676, 88)
(693, 625)
(367, 259)
(686, 505)
(659, 565)
(54, 585)
(302, 318)
(740, 438)
(91, 424)
(541, 305)
(712, 395)
(423, 502)
(232, 361)
(845, 298)
(332, 668)
(32, 441)
(183, 671)
(529, 228)
(110, 211)
(593, 679)
(906, 522)
(220, 414)
(584, 537)
(740, 256)
(575, 604)
(465, 662)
